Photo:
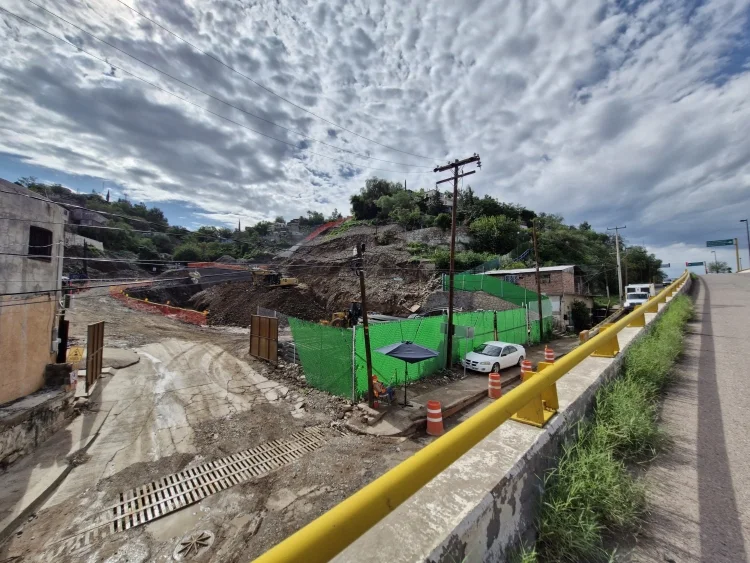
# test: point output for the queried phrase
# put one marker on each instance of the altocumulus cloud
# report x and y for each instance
(607, 111)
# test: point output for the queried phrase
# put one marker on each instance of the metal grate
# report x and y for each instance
(173, 492)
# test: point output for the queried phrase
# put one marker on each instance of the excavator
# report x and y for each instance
(272, 278)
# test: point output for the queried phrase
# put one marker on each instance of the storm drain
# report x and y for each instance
(174, 492)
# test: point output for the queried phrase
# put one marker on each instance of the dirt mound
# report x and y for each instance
(468, 301)
(233, 303)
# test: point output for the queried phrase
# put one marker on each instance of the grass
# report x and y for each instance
(591, 494)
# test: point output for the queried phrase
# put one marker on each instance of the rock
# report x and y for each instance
(272, 395)
(340, 416)
(348, 408)
(300, 405)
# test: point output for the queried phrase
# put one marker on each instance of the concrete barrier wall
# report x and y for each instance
(485, 504)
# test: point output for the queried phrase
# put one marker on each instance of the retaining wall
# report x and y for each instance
(120, 292)
(485, 504)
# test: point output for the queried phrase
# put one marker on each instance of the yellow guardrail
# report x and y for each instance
(329, 534)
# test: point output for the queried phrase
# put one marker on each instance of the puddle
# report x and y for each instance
(175, 525)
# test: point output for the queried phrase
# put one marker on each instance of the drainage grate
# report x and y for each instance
(173, 492)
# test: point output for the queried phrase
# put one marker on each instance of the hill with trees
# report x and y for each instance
(499, 232)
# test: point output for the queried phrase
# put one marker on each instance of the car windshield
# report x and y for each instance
(487, 350)
(637, 295)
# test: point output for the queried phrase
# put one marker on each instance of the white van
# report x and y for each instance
(638, 294)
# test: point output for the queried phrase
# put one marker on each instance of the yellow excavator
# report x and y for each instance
(272, 278)
(345, 319)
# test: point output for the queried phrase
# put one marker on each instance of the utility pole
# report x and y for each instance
(716, 262)
(538, 282)
(737, 251)
(455, 165)
(619, 266)
(747, 228)
(359, 268)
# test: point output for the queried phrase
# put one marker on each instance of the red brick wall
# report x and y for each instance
(553, 283)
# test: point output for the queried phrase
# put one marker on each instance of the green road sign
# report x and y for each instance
(725, 242)
(667, 265)
(694, 264)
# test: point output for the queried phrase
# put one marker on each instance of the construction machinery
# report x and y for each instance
(345, 319)
(272, 278)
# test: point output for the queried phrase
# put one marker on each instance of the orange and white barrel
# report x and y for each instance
(434, 418)
(549, 355)
(494, 390)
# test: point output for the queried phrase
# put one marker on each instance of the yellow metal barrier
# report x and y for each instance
(329, 534)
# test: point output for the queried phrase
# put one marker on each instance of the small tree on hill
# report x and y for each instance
(443, 221)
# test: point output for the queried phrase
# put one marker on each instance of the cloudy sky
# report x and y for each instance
(615, 112)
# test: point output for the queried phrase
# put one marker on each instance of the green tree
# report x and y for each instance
(335, 215)
(443, 221)
(363, 204)
(497, 234)
(719, 267)
(189, 252)
(279, 219)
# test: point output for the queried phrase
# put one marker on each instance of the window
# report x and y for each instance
(487, 350)
(544, 278)
(40, 243)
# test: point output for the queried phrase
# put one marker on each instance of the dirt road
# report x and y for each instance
(196, 397)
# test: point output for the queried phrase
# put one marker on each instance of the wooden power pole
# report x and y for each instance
(538, 283)
(359, 268)
(455, 165)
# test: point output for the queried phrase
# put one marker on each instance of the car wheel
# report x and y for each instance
(495, 368)
(520, 361)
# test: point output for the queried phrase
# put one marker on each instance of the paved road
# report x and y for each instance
(700, 490)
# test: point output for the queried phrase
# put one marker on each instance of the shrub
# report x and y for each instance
(443, 221)
(188, 252)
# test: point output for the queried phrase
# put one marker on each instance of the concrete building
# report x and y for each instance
(562, 284)
(32, 235)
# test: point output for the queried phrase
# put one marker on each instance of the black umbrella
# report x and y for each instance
(410, 353)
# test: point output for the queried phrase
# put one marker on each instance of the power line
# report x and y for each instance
(48, 200)
(154, 283)
(259, 85)
(169, 92)
(218, 99)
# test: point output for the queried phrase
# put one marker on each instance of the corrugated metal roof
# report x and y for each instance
(530, 270)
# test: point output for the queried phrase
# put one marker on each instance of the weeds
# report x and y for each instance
(591, 494)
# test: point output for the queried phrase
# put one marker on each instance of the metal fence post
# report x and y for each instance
(354, 364)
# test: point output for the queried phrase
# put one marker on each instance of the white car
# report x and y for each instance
(493, 356)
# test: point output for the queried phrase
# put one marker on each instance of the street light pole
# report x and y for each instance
(619, 266)
(747, 228)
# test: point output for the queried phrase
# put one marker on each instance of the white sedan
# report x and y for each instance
(493, 356)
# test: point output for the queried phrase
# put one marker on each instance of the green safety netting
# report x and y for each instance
(499, 288)
(325, 353)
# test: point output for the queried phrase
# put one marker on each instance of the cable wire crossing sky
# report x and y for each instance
(610, 112)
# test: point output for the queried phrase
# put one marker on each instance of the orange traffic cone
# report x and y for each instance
(549, 355)
(494, 390)
(526, 369)
(434, 418)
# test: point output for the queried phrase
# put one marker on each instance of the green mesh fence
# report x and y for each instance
(325, 352)
(511, 327)
(326, 356)
(499, 288)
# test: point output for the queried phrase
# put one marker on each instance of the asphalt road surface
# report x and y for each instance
(699, 491)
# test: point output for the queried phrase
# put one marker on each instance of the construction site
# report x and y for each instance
(201, 438)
